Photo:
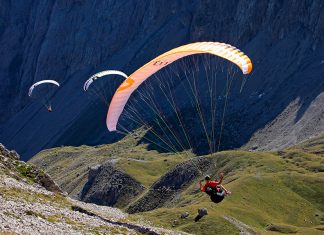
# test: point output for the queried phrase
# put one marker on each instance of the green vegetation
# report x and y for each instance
(29, 172)
(36, 214)
(148, 166)
(272, 192)
(32, 197)
(314, 146)
(266, 190)
(281, 228)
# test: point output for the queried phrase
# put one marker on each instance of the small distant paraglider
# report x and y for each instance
(43, 92)
(101, 74)
(99, 88)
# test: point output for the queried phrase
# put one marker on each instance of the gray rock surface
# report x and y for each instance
(31, 214)
(69, 40)
(109, 186)
(201, 213)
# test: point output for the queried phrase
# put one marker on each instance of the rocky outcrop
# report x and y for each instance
(8, 158)
(110, 187)
(11, 165)
(171, 184)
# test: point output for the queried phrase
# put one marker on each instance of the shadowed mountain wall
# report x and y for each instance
(67, 41)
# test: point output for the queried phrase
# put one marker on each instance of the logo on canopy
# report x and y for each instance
(160, 63)
(126, 84)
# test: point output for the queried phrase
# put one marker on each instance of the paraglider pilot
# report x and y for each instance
(214, 188)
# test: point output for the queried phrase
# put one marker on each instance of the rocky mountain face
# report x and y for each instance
(281, 104)
(109, 186)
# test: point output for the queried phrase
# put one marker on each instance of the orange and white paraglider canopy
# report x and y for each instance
(130, 84)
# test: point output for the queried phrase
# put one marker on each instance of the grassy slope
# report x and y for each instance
(270, 191)
(284, 189)
(69, 165)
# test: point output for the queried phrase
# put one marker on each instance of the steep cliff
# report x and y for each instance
(69, 40)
